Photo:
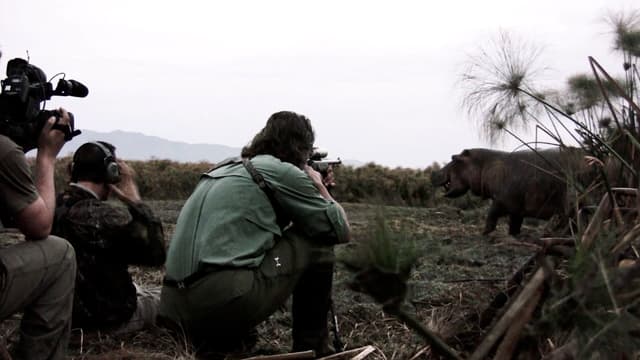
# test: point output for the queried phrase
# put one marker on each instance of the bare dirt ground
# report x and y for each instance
(459, 273)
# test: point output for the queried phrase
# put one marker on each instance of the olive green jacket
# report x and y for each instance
(229, 221)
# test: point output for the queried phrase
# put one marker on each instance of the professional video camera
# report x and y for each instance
(21, 116)
(318, 162)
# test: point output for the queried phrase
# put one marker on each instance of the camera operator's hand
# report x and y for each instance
(51, 141)
(126, 190)
(36, 219)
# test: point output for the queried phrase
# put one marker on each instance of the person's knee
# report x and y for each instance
(59, 251)
(296, 237)
(59, 247)
(308, 251)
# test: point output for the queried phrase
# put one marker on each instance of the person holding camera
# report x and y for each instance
(108, 236)
(252, 233)
(36, 276)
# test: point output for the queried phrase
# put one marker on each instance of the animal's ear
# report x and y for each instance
(465, 152)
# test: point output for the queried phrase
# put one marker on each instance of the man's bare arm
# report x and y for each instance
(35, 220)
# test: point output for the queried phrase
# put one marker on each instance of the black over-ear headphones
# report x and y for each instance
(111, 167)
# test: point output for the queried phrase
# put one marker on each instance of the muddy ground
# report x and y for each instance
(458, 274)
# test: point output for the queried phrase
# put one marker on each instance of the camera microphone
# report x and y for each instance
(70, 88)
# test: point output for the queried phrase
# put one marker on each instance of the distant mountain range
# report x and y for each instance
(137, 146)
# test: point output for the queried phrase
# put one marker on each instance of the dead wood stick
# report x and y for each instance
(487, 316)
(603, 209)
(473, 279)
(625, 191)
(357, 353)
(628, 237)
(617, 211)
(309, 354)
(550, 241)
(508, 345)
(512, 312)
(419, 353)
(437, 344)
(368, 350)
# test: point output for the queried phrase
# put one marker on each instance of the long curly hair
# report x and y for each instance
(287, 136)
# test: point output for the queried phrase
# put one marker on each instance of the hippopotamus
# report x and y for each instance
(520, 184)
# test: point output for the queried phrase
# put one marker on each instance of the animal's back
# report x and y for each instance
(539, 180)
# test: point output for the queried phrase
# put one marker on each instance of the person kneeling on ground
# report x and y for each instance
(108, 236)
(252, 233)
(37, 275)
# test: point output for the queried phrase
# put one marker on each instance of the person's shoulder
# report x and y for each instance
(7, 145)
(6, 141)
(280, 171)
(272, 162)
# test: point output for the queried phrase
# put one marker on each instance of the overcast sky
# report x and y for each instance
(376, 78)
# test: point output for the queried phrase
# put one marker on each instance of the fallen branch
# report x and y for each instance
(309, 354)
(514, 311)
(486, 317)
(603, 209)
(353, 354)
(628, 238)
(508, 345)
(419, 353)
(607, 204)
(551, 241)
(474, 279)
(438, 345)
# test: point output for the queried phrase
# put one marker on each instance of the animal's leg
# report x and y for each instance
(515, 223)
(495, 212)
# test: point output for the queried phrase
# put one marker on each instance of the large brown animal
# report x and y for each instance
(521, 183)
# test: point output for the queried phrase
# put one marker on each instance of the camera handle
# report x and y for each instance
(67, 129)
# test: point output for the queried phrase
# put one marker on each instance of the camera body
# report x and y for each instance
(21, 115)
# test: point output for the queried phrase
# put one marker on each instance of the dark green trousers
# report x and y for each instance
(226, 304)
(39, 279)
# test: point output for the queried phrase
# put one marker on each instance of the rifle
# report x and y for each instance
(318, 162)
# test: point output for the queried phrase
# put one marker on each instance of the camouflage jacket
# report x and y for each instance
(107, 237)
